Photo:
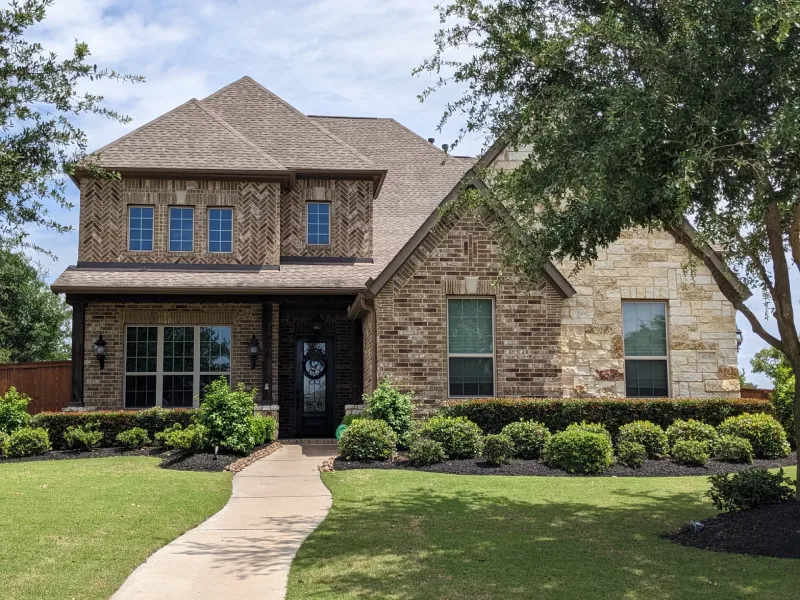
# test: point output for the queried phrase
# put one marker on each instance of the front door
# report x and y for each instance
(314, 386)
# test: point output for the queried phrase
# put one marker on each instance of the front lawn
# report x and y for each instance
(76, 529)
(414, 535)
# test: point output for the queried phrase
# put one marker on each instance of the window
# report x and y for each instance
(170, 366)
(319, 223)
(470, 346)
(644, 327)
(140, 228)
(220, 230)
(181, 229)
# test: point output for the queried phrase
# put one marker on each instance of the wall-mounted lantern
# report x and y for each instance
(739, 339)
(100, 351)
(316, 324)
(255, 350)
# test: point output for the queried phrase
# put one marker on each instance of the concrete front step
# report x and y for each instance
(308, 441)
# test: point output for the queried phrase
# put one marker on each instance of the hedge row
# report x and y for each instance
(492, 414)
(111, 423)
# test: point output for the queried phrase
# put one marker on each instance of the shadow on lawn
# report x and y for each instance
(426, 545)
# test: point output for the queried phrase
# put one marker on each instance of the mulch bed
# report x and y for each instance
(765, 531)
(97, 453)
(473, 466)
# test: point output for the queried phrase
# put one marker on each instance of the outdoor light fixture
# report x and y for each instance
(255, 349)
(316, 324)
(739, 338)
(100, 351)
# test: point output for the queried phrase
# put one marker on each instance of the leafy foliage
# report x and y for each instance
(389, 404)
(733, 449)
(350, 419)
(691, 452)
(528, 437)
(3, 441)
(13, 411)
(598, 428)
(579, 451)
(749, 489)
(134, 438)
(226, 416)
(763, 432)
(460, 437)
(631, 454)
(193, 438)
(772, 363)
(85, 437)
(368, 439)
(497, 448)
(27, 442)
(263, 429)
(691, 430)
(424, 451)
(648, 434)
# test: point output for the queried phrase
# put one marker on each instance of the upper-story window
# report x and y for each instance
(181, 229)
(470, 347)
(319, 223)
(220, 230)
(140, 228)
(644, 325)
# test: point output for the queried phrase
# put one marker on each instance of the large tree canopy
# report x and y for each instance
(40, 101)
(674, 114)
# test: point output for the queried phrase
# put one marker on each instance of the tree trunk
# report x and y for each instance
(796, 432)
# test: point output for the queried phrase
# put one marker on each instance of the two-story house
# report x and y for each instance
(305, 257)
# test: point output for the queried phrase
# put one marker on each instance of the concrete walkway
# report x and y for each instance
(245, 550)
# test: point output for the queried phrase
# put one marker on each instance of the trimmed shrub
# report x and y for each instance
(764, 432)
(27, 442)
(3, 442)
(86, 437)
(13, 411)
(691, 452)
(733, 449)
(579, 451)
(389, 404)
(631, 454)
(648, 434)
(589, 428)
(134, 438)
(350, 419)
(460, 437)
(112, 423)
(528, 437)
(226, 416)
(749, 489)
(193, 438)
(368, 439)
(497, 448)
(262, 429)
(425, 451)
(691, 431)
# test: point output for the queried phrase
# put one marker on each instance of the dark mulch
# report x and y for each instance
(180, 461)
(651, 468)
(97, 453)
(766, 531)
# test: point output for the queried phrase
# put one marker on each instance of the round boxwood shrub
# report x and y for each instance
(691, 452)
(648, 434)
(387, 403)
(497, 448)
(134, 438)
(27, 442)
(631, 454)
(691, 431)
(733, 448)
(84, 437)
(579, 451)
(425, 451)
(590, 428)
(764, 432)
(750, 489)
(460, 437)
(528, 437)
(368, 439)
(3, 442)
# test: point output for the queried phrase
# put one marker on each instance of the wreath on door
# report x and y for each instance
(315, 362)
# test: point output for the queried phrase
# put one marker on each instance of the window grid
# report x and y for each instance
(318, 223)
(220, 230)
(181, 229)
(470, 347)
(645, 343)
(140, 228)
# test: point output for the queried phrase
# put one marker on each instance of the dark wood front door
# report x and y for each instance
(314, 386)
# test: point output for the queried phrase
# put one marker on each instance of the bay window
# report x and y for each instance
(644, 326)
(470, 347)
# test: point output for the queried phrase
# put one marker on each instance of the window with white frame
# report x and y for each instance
(140, 228)
(170, 366)
(220, 230)
(318, 223)
(644, 326)
(181, 229)
(470, 347)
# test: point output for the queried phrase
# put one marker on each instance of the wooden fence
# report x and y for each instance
(47, 383)
(761, 394)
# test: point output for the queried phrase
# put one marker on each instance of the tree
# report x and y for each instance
(772, 363)
(674, 114)
(39, 100)
(34, 322)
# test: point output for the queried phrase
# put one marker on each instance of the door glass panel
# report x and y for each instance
(315, 376)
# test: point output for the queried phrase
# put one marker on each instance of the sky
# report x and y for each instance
(325, 57)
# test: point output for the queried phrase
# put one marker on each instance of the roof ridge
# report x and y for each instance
(237, 133)
(422, 139)
(347, 117)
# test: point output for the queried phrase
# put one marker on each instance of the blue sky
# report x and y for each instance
(334, 57)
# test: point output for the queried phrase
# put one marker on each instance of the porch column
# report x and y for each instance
(78, 339)
(266, 363)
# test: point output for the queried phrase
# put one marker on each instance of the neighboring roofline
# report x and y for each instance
(284, 176)
(237, 291)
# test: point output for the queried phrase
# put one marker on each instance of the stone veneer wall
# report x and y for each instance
(351, 218)
(411, 316)
(103, 235)
(103, 389)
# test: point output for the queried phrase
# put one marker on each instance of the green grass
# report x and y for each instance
(77, 528)
(412, 535)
